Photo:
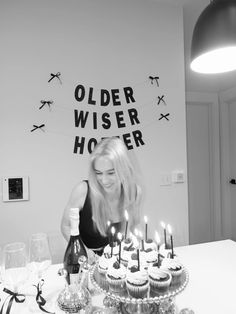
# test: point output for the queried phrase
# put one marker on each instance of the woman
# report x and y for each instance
(110, 190)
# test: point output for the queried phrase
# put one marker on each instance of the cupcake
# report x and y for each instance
(159, 279)
(148, 257)
(109, 250)
(174, 266)
(165, 251)
(150, 244)
(126, 243)
(133, 260)
(115, 275)
(137, 283)
(126, 255)
(104, 261)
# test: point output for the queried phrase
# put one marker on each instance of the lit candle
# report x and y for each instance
(136, 232)
(108, 231)
(113, 230)
(119, 237)
(135, 241)
(171, 241)
(164, 228)
(126, 224)
(138, 259)
(158, 240)
(145, 220)
(141, 240)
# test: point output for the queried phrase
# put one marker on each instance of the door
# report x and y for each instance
(203, 167)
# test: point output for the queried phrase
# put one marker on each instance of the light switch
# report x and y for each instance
(165, 179)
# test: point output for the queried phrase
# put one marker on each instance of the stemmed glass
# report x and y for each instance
(14, 268)
(39, 254)
(39, 261)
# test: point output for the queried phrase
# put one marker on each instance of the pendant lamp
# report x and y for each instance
(213, 48)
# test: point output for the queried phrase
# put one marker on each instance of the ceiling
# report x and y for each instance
(195, 81)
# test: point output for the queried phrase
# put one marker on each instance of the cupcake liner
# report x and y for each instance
(103, 282)
(176, 276)
(161, 286)
(116, 285)
(176, 272)
(102, 271)
(136, 291)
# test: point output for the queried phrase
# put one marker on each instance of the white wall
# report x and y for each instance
(103, 44)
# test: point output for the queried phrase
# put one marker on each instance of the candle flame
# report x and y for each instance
(169, 229)
(136, 232)
(163, 225)
(145, 219)
(113, 230)
(135, 241)
(140, 234)
(119, 236)
(108, 223)
(157, 237)
(126, 215)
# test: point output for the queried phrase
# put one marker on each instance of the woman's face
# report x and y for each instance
(106, 175)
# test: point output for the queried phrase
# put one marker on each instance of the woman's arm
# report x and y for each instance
(76, 200)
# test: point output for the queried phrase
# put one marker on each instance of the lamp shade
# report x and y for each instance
(213, 48)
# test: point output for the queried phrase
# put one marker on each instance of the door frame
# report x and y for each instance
(211, 100)
(225, 99)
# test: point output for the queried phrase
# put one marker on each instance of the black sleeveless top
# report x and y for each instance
(89, 234)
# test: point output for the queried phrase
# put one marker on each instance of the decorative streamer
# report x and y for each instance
(57, 75)
(89, 117)
(13, 296)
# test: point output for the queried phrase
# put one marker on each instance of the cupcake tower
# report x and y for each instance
(138, 268)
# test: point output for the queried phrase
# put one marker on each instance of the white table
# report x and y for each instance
(212, 274)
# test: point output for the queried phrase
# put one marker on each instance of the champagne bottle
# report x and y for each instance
(75, 249)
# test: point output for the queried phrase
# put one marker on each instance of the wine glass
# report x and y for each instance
(39, 261)
(39, 254)
(14, 267)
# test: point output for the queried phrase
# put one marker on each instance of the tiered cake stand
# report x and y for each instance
(161, 303)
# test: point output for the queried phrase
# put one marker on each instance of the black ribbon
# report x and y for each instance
(161, 98)
(38, 127)
(39, 298)
(46, 102)
(13, 296)
(156, 78)
(164, 116)
(57, 75)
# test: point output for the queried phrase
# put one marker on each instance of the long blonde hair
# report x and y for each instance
(115, 150)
